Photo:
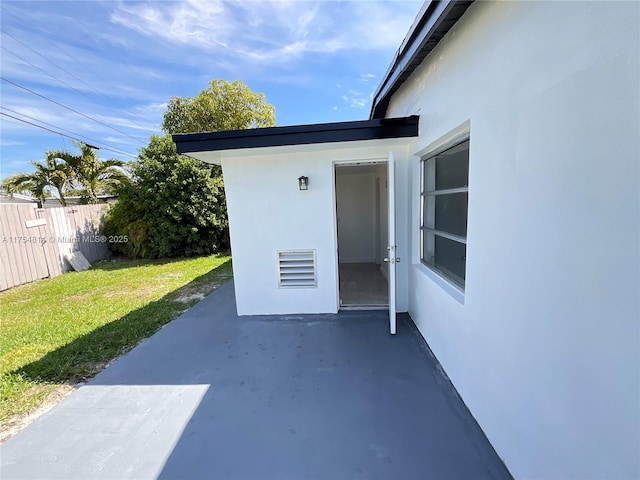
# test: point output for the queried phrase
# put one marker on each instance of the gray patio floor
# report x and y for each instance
(213, 395)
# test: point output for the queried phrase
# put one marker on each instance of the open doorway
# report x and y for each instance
(361, 208)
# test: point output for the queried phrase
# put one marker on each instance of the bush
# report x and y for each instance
(174, 208)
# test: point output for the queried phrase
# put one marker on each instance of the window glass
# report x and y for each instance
(429, 175)
(452, 167)
(451, 213)
(447, 256)
(444, 211)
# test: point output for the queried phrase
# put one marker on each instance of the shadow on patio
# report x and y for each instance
(214, 395)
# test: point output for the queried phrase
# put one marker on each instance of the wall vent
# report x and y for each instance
(297, 268)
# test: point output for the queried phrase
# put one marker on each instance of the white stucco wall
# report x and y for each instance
(268, 213)
(356, 201)
(544, 345)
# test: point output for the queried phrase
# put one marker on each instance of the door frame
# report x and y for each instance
(392, 249)
(377, 160)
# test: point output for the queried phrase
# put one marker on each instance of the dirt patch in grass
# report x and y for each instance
(171, 275)
(189, 293)
(188, 298)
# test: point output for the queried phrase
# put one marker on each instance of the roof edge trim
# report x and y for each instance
(434, 20)
(374, 129)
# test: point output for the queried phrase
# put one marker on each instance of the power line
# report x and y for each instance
(62, 134)
(45, 72)
(53, 63)
(70, 109)
(57, 133)
(64, 70)
(19, 20)
(114, 148)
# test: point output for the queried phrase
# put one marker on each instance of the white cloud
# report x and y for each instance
(129, 124)
(154, 106)
(354, 102)
(125, 59)
(365, 77)
(10, 143)
(270, 31)
(54, 118)
(117, 140)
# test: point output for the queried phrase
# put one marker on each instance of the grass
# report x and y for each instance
(64, 330)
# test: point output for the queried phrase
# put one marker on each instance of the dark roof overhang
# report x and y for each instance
(375, 129)
(433, 22)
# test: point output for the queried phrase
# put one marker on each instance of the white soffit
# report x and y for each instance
(217, 156)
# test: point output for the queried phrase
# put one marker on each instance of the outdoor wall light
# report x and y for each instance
(303, 183)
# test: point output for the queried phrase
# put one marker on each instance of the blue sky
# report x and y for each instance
(119, 63)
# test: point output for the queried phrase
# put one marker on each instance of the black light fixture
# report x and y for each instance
(303, 183)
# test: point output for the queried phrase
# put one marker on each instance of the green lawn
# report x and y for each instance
(64, 330)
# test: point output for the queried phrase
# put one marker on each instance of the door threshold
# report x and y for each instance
(364, 307)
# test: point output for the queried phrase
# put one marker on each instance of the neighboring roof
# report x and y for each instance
(16, 198)
(375, 129)
(435, 19)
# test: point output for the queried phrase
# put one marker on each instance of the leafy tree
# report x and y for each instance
(91, 175)
(174, 207)
(52, 173)
(221, 106)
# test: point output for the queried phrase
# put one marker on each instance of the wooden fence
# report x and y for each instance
(34, 242)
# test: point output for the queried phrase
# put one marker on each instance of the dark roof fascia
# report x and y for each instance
(433, 22)
(374, 129)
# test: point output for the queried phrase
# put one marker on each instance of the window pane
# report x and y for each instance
(429, 175)
(428, 247)
(452, 167)
(428, 211)
(448, 256)
(451, 213)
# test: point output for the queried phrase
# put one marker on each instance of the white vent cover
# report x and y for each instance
(297, 268)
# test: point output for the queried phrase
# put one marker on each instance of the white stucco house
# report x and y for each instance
(503, 155)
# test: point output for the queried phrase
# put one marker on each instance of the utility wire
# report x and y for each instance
(53, 63)
(70, 109)
(114, 148)
(58, 133)
(64, 70)
(19, 20)
(45, 72)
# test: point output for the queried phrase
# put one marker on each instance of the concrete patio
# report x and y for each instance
(217, 396)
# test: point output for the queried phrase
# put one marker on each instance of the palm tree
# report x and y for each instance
(64, 171)
(47, 175)
(92, 175)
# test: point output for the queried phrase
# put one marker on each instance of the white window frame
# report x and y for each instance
(424, 193)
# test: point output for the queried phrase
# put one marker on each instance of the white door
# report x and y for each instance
(391, 248)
